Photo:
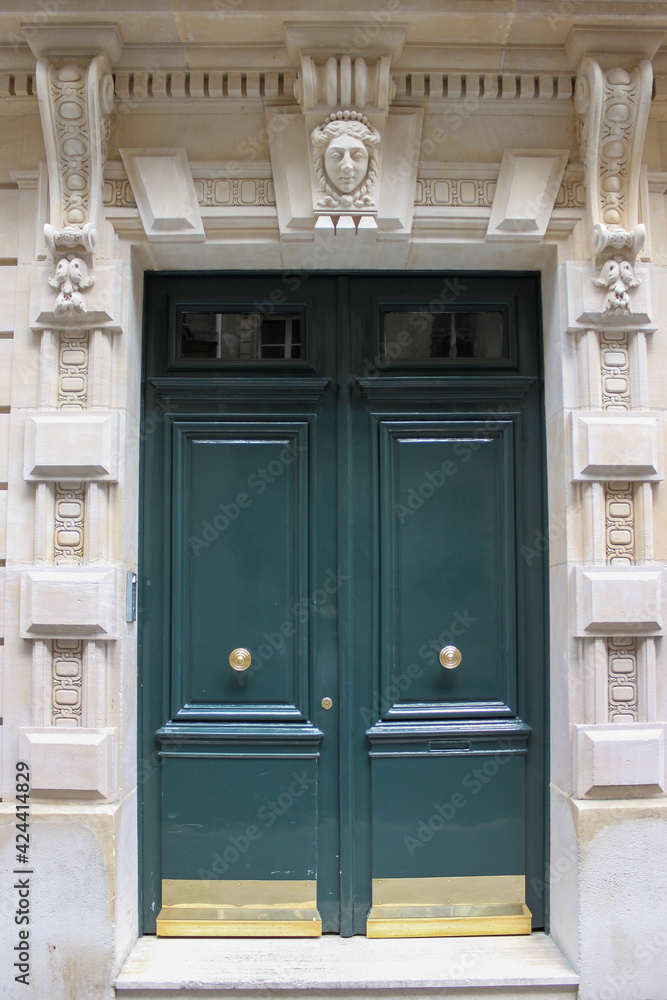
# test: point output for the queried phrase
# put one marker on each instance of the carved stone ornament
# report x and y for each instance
(618, 276)
(614, 105)
(345, 156)
(344, 81)
(70, 278)
(74, 101)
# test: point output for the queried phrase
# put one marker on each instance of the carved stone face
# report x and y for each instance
(346, 163)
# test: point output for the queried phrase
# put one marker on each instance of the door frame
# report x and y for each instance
(147, 771)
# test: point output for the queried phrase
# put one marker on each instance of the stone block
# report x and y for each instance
(528, 184)
(619, 601)
(617, 446)
(617, 755)
(165, 194)
(70, 446)
(78, 761)
(69, 603)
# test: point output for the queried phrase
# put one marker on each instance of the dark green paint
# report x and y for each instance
(246, 817)
(376, 588)
(448, 537)
(448, 815)
(240, 523)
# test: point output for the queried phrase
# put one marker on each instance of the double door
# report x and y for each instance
(342, 608)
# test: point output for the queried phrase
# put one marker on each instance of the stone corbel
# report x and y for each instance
(344, 153)
(612, 98)
(76, 93)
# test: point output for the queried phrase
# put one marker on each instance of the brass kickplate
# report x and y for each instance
(449, 907)
(233, 908)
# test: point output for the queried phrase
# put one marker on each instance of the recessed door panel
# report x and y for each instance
(447, 577)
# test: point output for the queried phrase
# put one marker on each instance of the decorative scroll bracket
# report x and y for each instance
(614, 106)
(76, 94)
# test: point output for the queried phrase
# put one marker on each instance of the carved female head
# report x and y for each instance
(345, 156)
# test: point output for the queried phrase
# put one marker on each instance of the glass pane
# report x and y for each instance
(455, 336)
(240, 337)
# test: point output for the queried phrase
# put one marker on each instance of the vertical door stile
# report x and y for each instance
(346, 646)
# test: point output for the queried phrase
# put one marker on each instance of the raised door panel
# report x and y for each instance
(241, 576)
(447, 567)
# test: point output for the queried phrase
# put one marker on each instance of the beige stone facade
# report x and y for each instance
(514, 136)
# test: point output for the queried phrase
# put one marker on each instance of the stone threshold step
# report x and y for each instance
(502, 968)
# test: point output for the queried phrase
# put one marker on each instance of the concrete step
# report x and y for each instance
(335, 968)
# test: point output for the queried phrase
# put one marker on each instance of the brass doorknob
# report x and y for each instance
(239, 659)
(450, 657)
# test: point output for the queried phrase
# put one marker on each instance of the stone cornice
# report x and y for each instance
(243, 56)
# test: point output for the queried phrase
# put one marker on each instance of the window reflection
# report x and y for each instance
(423, 336)
(223, 337)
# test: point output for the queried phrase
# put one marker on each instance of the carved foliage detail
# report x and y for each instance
(622, 659)
(618, 277)
(70, 278)
(67, 686)
(614, 105)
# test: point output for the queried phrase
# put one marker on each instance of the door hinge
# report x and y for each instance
(131, 598)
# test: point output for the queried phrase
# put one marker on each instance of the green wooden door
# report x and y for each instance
(342, 611)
